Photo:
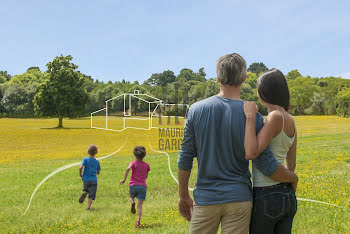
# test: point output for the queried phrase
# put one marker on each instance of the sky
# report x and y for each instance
(131, 40)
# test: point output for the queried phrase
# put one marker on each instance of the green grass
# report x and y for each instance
(55, 206)
(32, 152)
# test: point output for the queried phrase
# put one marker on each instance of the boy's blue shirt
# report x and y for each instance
(214, 133)
(91, 167)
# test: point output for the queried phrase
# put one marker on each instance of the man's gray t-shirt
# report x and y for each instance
(214, 133)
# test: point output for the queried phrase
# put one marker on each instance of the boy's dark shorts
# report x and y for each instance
(91, 188)
(138, 191)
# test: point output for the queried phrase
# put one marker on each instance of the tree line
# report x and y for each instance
(63, 91)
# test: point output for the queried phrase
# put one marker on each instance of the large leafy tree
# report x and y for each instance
(62, 93)
(301, 93)
(17, 100)
(257, 68)
(19, 91)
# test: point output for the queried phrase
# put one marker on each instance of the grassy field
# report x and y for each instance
(31, 149)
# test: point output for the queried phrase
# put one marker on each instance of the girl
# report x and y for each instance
(274, 203)
(138, 187)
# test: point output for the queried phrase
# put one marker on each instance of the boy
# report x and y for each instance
(91, 168)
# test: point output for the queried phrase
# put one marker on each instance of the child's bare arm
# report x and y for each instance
(81, 170)
(126, 174)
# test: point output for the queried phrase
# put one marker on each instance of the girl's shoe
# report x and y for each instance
(138, 224)
(133, 210)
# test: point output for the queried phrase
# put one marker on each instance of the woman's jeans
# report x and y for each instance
(274, 208)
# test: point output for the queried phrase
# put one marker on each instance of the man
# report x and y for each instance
(214, 133)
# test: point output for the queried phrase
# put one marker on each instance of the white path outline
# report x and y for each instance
(171, 173)
(64, 168)
(315, 201)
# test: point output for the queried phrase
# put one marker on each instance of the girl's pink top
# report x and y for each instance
(140, 170)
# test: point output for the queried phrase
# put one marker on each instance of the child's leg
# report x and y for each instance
(92, 193)
(89, 203)
(132, 200)
(139, 210)
(85, 192)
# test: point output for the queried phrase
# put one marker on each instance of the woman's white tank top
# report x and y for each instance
(279, 146)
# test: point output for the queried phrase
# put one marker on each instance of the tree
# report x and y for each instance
(293, 74)
(343, 102)
(5, 75)
(189, 75)
(33, 68)
(197, 91)
(89, 83)
(62, 93)
(202, 72)
(251, 79)
(161, 79)
(247, 92)
(2, 79)
(301, 94)
(17, 100)
(318, 105)
(2, 108)
(31, 76)
(213, 88)
(330, 86)
(257, 68)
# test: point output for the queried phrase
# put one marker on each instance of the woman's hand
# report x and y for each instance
(250, 109)
(122, 182)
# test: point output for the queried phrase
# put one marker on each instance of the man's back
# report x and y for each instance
(215, 133)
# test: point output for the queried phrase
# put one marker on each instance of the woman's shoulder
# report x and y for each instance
(275, 116)
(275, 121)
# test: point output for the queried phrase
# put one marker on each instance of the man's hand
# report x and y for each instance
(81, 175)
(282, 174)
(122, 182)
(185, 207)
(250, 109)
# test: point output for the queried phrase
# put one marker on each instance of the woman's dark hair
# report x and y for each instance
(140, 152)
(273, 88)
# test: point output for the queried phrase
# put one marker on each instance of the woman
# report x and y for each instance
(274, 203)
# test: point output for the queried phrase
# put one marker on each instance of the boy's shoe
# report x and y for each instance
(133, 210)
(138, 224)
(82, 197)
(88, 209)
